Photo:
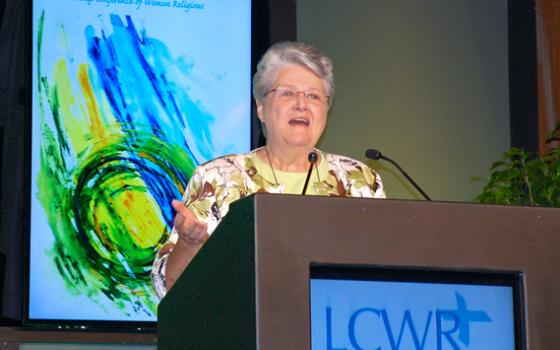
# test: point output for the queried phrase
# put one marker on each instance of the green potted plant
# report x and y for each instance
(525, 178)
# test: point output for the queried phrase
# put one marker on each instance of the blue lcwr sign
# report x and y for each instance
(380, 315)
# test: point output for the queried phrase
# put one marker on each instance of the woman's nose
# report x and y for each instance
(301, 100)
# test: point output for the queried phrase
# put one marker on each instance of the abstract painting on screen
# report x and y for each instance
(128, 98)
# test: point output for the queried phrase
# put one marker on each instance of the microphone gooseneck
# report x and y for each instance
(312, 157)
(376, 155)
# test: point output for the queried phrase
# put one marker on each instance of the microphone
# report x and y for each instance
(312, 157)
(376, 155)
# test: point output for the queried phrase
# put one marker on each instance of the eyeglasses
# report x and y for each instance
(289, 93)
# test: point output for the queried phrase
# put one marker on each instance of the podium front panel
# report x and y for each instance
(293, 232)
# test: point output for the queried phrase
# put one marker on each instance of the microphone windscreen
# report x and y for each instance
(373, 154)
(312, 157)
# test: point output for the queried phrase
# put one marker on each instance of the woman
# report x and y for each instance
(293, 89)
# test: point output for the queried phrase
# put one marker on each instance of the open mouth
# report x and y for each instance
(299, 121)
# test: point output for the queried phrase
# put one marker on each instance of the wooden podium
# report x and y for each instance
(248, 288)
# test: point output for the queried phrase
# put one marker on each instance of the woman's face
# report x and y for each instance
(294, 120)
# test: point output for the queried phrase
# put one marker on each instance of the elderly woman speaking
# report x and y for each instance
(293, 90)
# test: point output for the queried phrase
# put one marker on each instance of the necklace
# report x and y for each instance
(274, 173)
(271, 167)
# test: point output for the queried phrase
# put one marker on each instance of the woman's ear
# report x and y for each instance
(260, 113)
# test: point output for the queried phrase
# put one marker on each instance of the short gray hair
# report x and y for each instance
(291, 53)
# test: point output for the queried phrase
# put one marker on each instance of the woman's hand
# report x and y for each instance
(189, 228)
(192, 233)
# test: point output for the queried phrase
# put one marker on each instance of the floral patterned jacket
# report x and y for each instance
(216, 184)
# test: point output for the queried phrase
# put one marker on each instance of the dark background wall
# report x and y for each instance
(14, 107)
(429, 84)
